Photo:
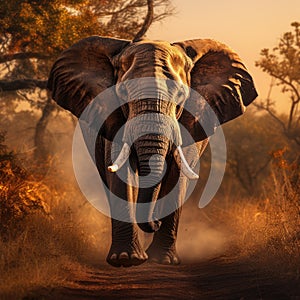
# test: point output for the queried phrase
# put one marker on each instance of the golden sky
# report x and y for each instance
(245, 26)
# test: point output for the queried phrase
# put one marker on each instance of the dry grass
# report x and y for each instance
(266, 230)
(45, 235)
(59, 233)
(50, 248)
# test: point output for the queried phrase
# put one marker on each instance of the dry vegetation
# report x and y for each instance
(49, 231)
(45, 236)
(266, 230)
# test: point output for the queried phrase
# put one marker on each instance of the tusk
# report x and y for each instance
(183, 165)
(121, 159)
(113, 168)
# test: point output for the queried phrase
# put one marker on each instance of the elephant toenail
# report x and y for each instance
(134, 256)
(166, 261)
(176, 261)
(114, 256)
(123, 255)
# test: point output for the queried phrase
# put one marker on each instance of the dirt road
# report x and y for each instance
(219, 278)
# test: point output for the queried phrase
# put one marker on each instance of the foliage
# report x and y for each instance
(283, 65)
(33, 33)
(40, 26)
(250, 141)
(48, 27)
(20, 195)
(283, 62)
(48, 230)
(268, 228)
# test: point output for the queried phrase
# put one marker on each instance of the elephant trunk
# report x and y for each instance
(151, 152)
(152, 130)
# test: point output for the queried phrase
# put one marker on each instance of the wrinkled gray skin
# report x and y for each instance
(96, 63)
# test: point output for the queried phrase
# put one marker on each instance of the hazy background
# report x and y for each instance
(245, 26)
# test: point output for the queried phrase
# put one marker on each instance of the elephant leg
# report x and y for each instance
(163, 247)
(125, 247)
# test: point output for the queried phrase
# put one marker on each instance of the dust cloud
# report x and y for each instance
(198, 238)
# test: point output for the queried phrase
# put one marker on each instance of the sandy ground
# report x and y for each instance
(219, 278)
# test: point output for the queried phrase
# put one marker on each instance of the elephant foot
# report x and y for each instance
(126, 256)
(163, 256)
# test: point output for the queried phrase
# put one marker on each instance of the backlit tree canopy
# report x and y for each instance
(34, 32)
(48, 27)
(283, 64)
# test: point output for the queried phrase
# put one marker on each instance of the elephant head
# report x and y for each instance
(151, 79)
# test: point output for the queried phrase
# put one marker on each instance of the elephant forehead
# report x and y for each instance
(153, 58)
(157, 50)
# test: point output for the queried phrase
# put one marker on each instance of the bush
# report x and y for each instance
(267, 228)
(48, 230)
(20, 195)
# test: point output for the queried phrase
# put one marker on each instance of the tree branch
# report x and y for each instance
(147, 22)
(288, 83)
(21, 55)
(259, 170)
(268, 110)
(291, 115)
(105, 13)
(22, 84)
(267, 106)
(236, 166)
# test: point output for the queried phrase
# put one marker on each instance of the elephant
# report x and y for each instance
(206, 66)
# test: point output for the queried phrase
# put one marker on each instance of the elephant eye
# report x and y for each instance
(180, 94)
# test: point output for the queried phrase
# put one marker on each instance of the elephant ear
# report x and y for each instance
(221, 87)
(83, 71)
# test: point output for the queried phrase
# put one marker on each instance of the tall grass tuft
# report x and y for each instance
(48, 230)
(267, 229)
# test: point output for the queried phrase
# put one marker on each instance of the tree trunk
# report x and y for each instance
(40, 141)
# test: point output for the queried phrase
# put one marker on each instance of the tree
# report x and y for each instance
(283, 65)
(258, 139)
(33, 33)
(251, 141)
